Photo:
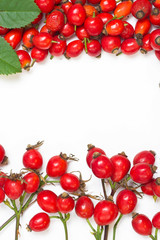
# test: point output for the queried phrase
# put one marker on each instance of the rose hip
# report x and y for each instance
(144, 157)
(91, 150)
(142, 225)
(38, 19)
(155, 17)
(93, 26)
(67, 31)
(42, 41)
(123, 9)
(47, 200)
(55, 21)
(2, 153)
(111, 44)
(115, 27)
(58, 48)
(141, 173)
(74, 49)
(2, 195)
(76, 14)
(65, 203)
(45, 6)
(13, 188)
(32, 159)
(156, 220)
(107, 5)
(24, 58)
(142, 28)
(70, 182)
(141, 9)
(82, 33)
(156, 186)
(14, 37)
(27, 38)
(38, 54)
(3, 30)
(130, 46)
(147, 188)
(31, 182)
(93, 48)
(146, 46)
(126, 201)
(155, 39)
(84, 207)
(128, 31)
(105, 17)
(39, 222)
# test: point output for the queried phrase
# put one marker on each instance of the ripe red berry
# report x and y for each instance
(144, 157)
(90, 10)
(93, 26)
(115, 27)
(3, 30)
(82, 33)
(66, 6)
(155, 17)
(45, 6)
(130, 46)
(93, 48)
(123, 9)
(58, 47)
(142, 225)
(147, 188)
(157, 53)
(126, 201)
(101, 166)
(2, 153)
(32, 159)
(57, 166)
(2, 179)
(38, 54)
(24, 59)
(42, 41)
(156, 186)
(47, 200)
(155, 39)
(67, 31)
(111, 44)
(105, 17)
(44, 29)
(146, 47)
(70, 182)
(107, 5)
(55, 21)
(141, 173)
(105, 212)
(128, 31)
(156, 220)
(39, 222)
(31, 182)
(13, 37)
(84, 207)
(76, 14)
(28, 37)
(142, 28)
(141, 9)
(91, 150)
(94, 2)
(121, 166)
(13, 188)
(65, 203)
(74, 49)
(2, 195)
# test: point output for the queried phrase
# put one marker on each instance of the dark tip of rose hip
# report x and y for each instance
(96, 154)
(139, 41)
(64, 195)
(63, 155)
(98, 8)
(5, 161)
(153, 152)
(140, 14)
(139, 36)
(28, 228)
(99, 56)
(110, 198)
(158, 181)
(90, 146)
(61, 37)
(143, 51)
(115, 51)
(123, 154)
(155, 11)
(157, 40)
(134, 214)
(78, 2)
(154, 169)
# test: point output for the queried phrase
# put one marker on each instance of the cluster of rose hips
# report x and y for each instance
(19, 191)
(98, 24)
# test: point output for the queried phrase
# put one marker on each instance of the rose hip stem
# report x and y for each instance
(115, 226)
(106, 228)
(64, 221)
(97, 234)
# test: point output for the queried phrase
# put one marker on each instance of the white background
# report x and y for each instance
(112, 102)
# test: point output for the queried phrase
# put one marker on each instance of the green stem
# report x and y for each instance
(151, 236)
(156, 232)
(64, 221)
(85, 45)
(106, 230)
(17, 226)
(52, 181)
(7, 222)
(89, 223)
(115, 226)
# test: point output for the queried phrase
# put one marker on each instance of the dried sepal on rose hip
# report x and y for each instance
(65, 203)
(91, 150)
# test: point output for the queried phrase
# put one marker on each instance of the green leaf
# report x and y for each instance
(17, 13)
(9, 61)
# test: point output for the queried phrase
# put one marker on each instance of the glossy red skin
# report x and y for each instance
(58, 49)
(115, 27)
(76, 14)
(146, 43)
(67, 30)
(94, 2)
(28, 36)
(142, 225)
(82, 33)
(128, 31)
(2, 179)
(93, 26)
(38, 19)
(44, 29)
(142, 27)
(70, 182)
(147, 188)
(126, 201)
(84, 207)
(3, 30)
(14, 37)
(55, 21)
(65, 205)
(144, 157)
(31, 182)
(24, 58)
(105, 17)
(156, 3)
(156, 188)
(110, 44)
(105, 212)
(141, 5)
(45, 6)
(74, 48)
(47, 200)
(130, 46)
(141, 173)
(157, 53)
(90, 10)
(121, 166)
(90, 153)
(2, 153)
(42, 41)
(13, 189)
(123, 9)
(155, 18)
(153, 37)
(156, 220)
(66, 6)
(2, 195)
(39, 222)
(57, 2)
(94, 48)
(38, 54)
(102, 167)
(32, 159)
(107, 5)
(56, 166)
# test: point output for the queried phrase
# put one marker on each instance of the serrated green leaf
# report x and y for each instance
(17, 13)
(9, 62)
